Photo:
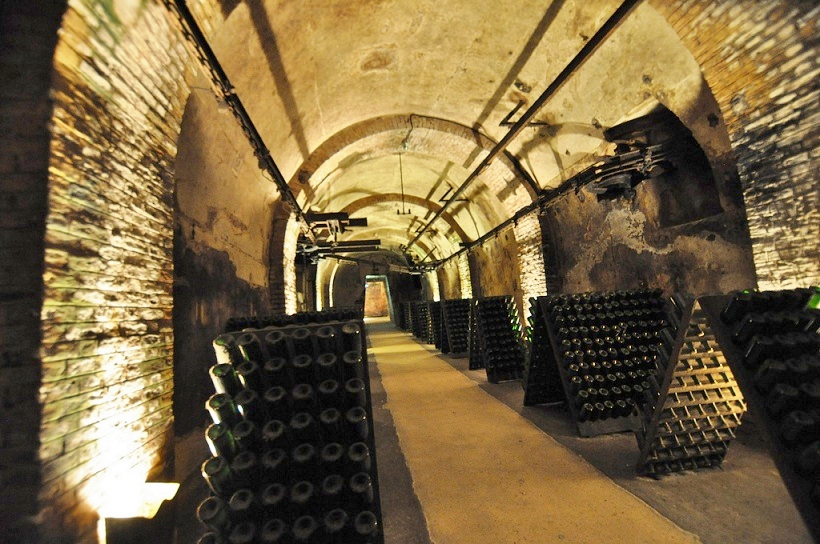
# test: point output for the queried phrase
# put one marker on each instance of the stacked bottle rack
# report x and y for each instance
(455, 332)
(476, 357)
(235, 324)
(435, 324)
(542, 382)
(694, 404)
(293, 455)
(405, 318)
(499, 337)
(421, 324)
(604, 345)
(772, 341)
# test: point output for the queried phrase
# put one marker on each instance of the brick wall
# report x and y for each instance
(28, 35)
(530, 257)
(107, 345)
(762, 66)
(464, 276)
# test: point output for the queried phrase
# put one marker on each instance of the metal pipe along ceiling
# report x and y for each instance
(597, 39)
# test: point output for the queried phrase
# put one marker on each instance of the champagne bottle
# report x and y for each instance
(302, 369)
(275, 435)
(329, 394)
(222, 409)
(326, 339)
(330, 458)
(332, 491)
(304, 428)
(251, 376)
(331, 423)
(304, 398)
(275, 500)
(353, 365)
(302, 498)
(327, 367)
(276, 344)
(213, 514)
(277, 371)
(250, 347)
(305, 530)
(355, 393)
(251, 406)
(303, 461)
(225, 379)
(357, 423)
(366, 526)
(277, 403)
(217, 474)
(336, 525)
(301, 342)
(359, 458)
(226, 350)
(246, 435)
(243, 533)
(274, 531)
(245, 468)
(220, 441)
(274, 466)
(361, 485)
(242, 505)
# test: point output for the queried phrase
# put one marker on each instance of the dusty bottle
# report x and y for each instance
(225, 379)
(213, 514)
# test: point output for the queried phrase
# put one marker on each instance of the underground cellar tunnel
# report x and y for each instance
(167, 165)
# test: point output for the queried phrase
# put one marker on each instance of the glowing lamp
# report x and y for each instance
(133, 513)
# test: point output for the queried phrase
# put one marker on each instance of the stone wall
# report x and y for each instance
(28, 36)
(107, 338)
(762, 66)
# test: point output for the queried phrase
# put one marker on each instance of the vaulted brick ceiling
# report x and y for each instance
(339, 90)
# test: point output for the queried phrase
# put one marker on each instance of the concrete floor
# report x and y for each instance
(745, 501)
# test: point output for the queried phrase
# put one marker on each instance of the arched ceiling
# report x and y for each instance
(340, 91)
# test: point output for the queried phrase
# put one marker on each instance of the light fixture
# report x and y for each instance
(401, 178)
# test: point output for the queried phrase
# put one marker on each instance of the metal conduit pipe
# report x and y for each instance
(650, 156)
(225, 89)
(597, 39)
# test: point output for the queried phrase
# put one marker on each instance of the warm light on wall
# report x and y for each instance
(129, 501)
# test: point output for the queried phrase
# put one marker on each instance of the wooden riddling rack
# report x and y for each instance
(421, 321)
(455, 331)
(474, 347)
(404, 319)
(298, 390)
(542, 382)
(694, 404)
(603, 345)
(772, 343)
(502, 351)
(434, 323)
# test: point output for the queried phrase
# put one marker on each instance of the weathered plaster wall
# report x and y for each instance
(449, 281)
(494, 268)
(612, 245)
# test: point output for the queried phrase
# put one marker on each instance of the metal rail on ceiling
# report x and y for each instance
(586, 51)
(225, 89)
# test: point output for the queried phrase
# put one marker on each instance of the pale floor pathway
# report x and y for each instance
(485, 475)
